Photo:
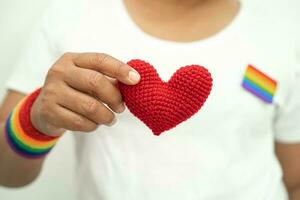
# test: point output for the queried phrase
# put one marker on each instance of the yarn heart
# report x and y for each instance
(163, 105)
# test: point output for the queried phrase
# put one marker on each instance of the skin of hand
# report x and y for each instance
(80, 93)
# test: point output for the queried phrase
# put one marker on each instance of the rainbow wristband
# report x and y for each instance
(22, 137)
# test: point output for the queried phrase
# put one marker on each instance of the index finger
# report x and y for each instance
(109, 66)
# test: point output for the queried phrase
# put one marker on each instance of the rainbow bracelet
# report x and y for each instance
(22, 137)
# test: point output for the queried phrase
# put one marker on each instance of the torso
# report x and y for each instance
(225, 151)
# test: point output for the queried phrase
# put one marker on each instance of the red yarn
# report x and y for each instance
(163, 105)
(25, 121)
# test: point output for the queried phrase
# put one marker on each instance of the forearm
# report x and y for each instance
(16, 171)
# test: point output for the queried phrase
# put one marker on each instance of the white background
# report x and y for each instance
(16, 20)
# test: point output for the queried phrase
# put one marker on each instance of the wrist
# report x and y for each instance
(42, 125)
(22, 136)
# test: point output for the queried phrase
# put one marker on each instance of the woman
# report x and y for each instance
(225, 151)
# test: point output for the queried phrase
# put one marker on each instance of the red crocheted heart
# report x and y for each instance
(163, 105)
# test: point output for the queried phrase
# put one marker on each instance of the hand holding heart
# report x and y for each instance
(81, 92)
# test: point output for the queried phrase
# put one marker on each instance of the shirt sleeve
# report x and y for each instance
(41, 50)
(287, 121)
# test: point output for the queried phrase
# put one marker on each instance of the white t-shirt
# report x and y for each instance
(225, 151)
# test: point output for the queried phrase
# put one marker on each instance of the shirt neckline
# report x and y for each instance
(133, 29)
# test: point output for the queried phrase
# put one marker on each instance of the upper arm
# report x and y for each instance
(288, 155)
(9, 102)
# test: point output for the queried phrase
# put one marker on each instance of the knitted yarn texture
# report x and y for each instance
(163, 105)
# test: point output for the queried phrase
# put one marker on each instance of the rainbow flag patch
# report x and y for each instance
(259, 84)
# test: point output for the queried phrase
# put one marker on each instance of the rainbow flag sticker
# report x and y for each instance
(259, 84)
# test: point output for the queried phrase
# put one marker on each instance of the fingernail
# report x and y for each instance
(120, 108)
(134, 76)
(113, 122)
